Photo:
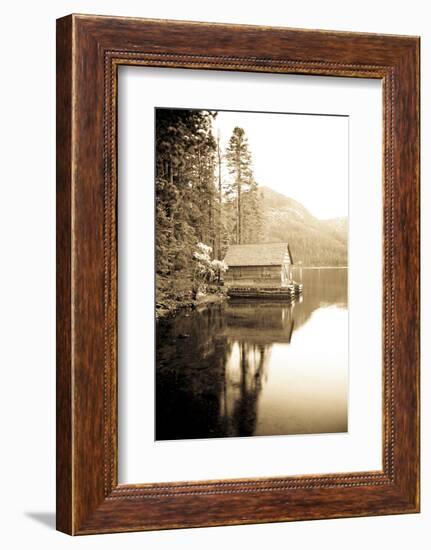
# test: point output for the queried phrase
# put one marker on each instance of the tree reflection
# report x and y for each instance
(244, 377)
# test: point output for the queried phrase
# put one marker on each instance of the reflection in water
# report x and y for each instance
(256, 367)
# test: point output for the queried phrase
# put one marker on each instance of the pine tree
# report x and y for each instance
(252, 214)
(219, 201)
(238, 159)
(243, 201)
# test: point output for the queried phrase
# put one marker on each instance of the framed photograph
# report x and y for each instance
(237, 274)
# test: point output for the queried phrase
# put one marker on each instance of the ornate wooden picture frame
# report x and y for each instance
(89, 51)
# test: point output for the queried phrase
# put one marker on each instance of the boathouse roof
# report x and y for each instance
(257, 254)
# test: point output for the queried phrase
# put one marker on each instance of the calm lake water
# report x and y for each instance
(245, 368)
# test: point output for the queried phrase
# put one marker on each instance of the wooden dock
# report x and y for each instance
(289, 292)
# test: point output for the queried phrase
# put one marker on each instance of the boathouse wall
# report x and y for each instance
(253, 276)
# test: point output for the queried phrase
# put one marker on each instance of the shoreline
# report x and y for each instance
(171, 308)
(167, 313)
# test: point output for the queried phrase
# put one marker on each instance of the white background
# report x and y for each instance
(140, 89)
(27, 213)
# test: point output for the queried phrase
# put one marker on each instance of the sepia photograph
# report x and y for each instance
(251, 261)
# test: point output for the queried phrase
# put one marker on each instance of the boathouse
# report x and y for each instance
(258, 265)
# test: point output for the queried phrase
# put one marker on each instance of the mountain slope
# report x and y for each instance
(312, 241)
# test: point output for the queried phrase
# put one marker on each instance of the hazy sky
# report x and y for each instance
(302, 156)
